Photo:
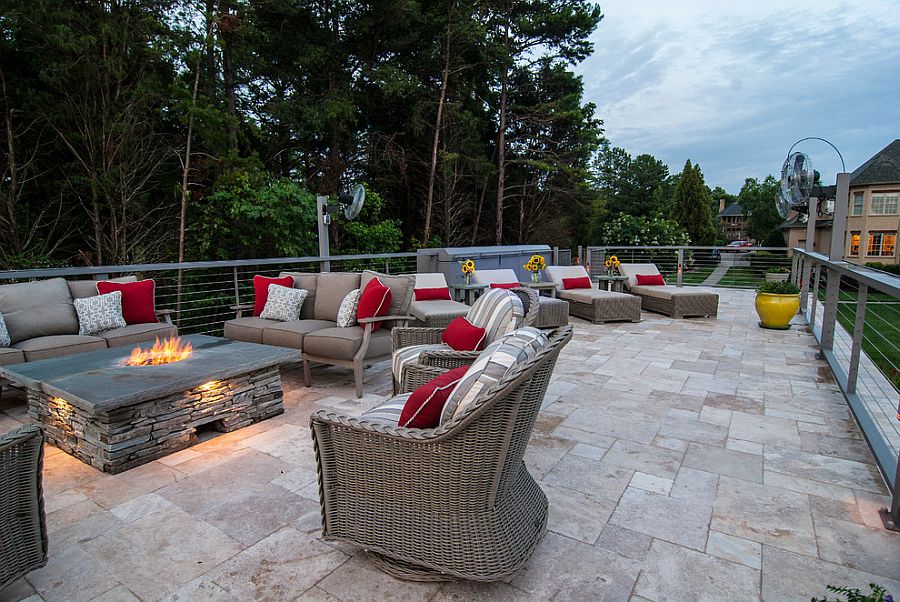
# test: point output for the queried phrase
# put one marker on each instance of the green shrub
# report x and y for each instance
(890, 268)
(778, 270)
(878, 594)
(779, 287)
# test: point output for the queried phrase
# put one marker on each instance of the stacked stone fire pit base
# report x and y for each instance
(115, 417)
(127, 437)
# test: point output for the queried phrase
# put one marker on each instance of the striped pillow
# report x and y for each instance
(492, 365)
(498, 311)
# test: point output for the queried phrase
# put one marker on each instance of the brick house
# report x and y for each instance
(873, 218)
(733, 220)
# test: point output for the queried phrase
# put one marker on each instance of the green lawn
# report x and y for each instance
(740, 276)
(692, 276)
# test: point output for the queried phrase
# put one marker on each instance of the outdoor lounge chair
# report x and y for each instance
(456, 501)
(593, 304)
(674, 301)
(436, 312)
(23, 525)
(552, 312)
(498, 311)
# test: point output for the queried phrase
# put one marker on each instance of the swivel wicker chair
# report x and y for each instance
(23, 545)
(456, 501)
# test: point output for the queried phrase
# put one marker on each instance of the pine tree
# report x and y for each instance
(691, 206)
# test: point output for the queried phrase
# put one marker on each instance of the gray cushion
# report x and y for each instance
(499, 311)
(249, 330)
(290, 334)
(11, 356)
(343, 343)
(331, 288)
(37, 309)
(88, 288)
(587, 295)
(138, 333)
(387, 412)
(41, 348)
(437, 307)
(401, 291)
(308, 282)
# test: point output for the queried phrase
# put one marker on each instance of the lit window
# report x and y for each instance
(854, 244)
(857, 203)
(881, 244)
(885, 203)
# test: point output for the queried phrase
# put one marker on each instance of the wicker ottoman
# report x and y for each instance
(684, 304)
(603, 306)
(552, 313)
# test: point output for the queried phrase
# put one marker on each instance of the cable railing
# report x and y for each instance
(854, 313)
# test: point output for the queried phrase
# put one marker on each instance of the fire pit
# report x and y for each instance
(114, 414)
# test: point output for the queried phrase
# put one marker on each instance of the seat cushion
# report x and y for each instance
(290, 334)
(38, 309)
(41, 348)
(583, 295)
(343, 343)
(498, 311)
(331, 288)
(410, 355)
(421, 310)
(249, 330)
(88, 288)
(388, 412)
(138, 333)
(11, 356)
(307, 281)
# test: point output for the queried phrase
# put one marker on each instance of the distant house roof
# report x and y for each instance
(883, 168)
(795, 222)
(732, 210)
(828, 192)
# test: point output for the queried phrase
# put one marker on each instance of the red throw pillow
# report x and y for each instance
(423, 408)
(505, 284)
(650, 279)
(430, 294)
(261, 290)
(462, 335)
(375, 300)
(138, 299)
(580, 282)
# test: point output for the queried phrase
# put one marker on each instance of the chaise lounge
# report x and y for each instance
(598, 306)
(552, 312)
(432, 306)
(674, 301)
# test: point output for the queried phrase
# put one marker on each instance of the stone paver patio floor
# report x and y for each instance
(684, 460)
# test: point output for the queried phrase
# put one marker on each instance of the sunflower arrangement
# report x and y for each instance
(467, 267)
(612, 264)
(536, 265)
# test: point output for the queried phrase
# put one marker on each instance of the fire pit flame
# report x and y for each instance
(162, 352)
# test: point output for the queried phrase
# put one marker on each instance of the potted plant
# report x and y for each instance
(777, 303)
(776, 274)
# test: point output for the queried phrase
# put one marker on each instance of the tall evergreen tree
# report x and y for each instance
(691, 206)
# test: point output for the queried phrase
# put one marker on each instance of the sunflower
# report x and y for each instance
(468, 266)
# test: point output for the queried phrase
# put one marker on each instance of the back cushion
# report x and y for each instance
(88, 288)
(431, 280)
(308, 282)
(38, 309)
(498, 311)
(503, 276)
(401, 290)
(331, 288)
(556, 273)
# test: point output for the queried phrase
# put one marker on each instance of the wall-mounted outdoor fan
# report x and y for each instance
(797, 180)
(351, 203)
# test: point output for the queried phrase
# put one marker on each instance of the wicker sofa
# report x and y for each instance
(42, 321)
(436, 312)
(23, 525)
(552, 312)
(456, 501)
(316, 333)
(674, 301)
(598, 306)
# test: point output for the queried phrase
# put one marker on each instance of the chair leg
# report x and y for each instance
(306, 378)
(358, 378)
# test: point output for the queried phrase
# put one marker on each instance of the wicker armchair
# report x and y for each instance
(23, 544)
(438, 504)
(448, 358)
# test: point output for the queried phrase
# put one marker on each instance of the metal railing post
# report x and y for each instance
(580, 255)
(680, 268)
(891, 516)
(829, 311)
(237, 291)
(805, 275)
(555, 255)
(815, 296)
(795, 268)
(859, 324)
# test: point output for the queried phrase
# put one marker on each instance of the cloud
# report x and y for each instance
(733, 84)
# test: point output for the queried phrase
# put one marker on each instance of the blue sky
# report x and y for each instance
(732, 85)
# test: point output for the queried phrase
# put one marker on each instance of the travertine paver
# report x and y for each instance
(679, 457)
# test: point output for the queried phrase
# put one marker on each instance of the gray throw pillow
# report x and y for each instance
(346, 316)
(100, 313)
(283, 303)
(4, 334)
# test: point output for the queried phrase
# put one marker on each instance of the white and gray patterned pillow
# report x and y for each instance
(492, 365)
(498, 311)
(346, 315)
(283, 303)
(99, 313)
(5, 341)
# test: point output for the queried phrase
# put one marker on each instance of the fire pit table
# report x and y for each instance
(115, 416)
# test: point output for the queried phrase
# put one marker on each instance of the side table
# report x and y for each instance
(541, 286)
(615, 284)
(467, 293)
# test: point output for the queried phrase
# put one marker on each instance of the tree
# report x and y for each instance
(631, 230)
(691, 206)
(758, 201)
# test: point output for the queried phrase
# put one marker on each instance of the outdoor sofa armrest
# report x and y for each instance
(385, 319)
(164, 315)
(447, 360)
(406, 336)
(240, 309)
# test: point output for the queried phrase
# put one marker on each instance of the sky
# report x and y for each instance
(733, 84)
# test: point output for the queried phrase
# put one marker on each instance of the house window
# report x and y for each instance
(885, 203)
(854, 244)
(857, 203)
(881, 244)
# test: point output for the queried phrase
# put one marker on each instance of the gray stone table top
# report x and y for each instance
(97, 381)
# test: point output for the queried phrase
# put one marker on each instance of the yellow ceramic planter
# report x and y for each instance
(776, 311)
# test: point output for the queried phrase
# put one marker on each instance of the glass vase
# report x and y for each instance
(535, 277)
